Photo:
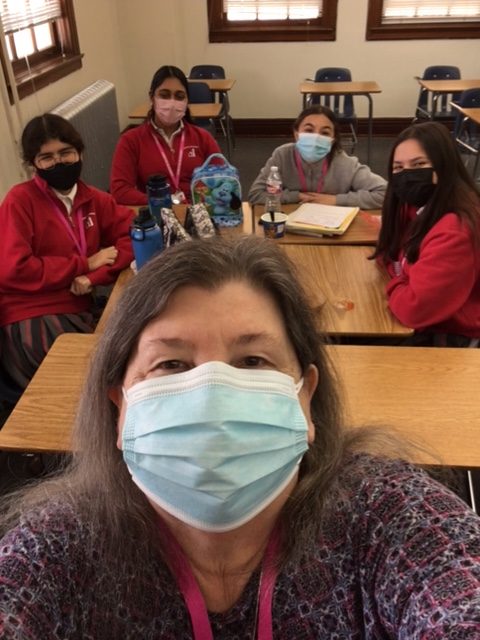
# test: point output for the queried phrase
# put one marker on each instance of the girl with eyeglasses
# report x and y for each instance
(60, 239)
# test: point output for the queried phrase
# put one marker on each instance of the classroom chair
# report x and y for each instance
(212, 72)
(199, 92)
(443, 110)
(341, 105)
(465, 132)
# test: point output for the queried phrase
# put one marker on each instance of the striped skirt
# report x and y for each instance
(25, 343)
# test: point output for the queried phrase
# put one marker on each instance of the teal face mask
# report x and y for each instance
(215, 445)
(313, 146)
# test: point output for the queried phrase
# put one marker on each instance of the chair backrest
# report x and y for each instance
(439, 72)
(199, 92)
(342, 106)
(469, 99)
(208, 71)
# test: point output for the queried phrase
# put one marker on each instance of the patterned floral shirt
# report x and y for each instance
(399, 558)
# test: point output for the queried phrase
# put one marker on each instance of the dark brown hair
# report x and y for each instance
(162, 74)
(455, 192)
(321, 110)
(47, 127)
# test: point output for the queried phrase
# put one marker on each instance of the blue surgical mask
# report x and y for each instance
(215, 445)
(313, 146)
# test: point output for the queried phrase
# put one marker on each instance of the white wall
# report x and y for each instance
(125, 41)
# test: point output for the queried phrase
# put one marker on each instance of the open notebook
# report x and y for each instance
(320, 219)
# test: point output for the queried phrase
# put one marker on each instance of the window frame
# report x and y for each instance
(411, 31)
(48, 65)
(220, 30)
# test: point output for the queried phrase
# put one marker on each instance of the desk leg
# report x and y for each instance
(370, 126)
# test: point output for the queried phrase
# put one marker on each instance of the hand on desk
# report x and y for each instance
(81, 286)
(319, 198)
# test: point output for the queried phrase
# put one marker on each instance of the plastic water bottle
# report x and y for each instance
(274, 187)
(146, 236)
(159, 196)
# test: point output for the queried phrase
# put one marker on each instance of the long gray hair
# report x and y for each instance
(96, 482)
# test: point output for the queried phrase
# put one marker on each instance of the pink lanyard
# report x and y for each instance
(194, 599)
(81, 243)
(174, 179)
(301, 173)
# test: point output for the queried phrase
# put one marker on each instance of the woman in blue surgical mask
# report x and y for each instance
(315, 169)
(213, 491)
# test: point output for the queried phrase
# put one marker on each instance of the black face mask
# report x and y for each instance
(413, 186)
(61, 176)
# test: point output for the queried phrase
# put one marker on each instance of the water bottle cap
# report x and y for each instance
(157, 180)
(144, 218)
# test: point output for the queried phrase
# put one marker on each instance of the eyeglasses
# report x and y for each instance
(49, 160)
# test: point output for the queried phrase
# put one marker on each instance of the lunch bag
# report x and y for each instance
(217, 186)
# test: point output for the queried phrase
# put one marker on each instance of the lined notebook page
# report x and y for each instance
(322, 215)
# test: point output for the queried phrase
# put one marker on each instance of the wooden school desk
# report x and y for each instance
(347, 289)
(423, 394)
(365, 89)
(197, 110)
(363, 230)
(470, 114)
(439, 87)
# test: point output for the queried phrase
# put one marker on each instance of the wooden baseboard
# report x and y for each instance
(279, 127)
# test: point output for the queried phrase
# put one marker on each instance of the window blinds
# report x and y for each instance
(395, 11)
(272, 9)
(20, 14)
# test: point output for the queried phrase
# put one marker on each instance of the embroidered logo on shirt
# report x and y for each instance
(191, 152)
(88, 220)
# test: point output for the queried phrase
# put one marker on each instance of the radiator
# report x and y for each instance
(93, 112)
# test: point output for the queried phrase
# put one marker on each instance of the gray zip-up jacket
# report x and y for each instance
(353, 183)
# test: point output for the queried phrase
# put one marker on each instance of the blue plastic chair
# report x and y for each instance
(341, 105)
(443, 109)
(199, 92)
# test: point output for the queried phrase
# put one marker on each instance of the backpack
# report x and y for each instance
(217, 186)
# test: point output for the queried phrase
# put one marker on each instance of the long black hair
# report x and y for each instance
(455, 192)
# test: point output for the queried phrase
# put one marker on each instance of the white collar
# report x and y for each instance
(67, 198)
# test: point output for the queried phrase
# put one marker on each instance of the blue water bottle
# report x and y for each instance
(158, 193)
(146, 236)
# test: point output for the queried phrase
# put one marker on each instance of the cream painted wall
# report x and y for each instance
(126, 41)
(98, 29)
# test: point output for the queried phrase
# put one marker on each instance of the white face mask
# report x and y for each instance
(169, 112)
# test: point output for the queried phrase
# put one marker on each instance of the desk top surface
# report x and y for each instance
(216, 84)
(367, 86)
(346, 289)
(473, 113)
(197, 110)
(423, 394)
(448, 86)
(363, 230)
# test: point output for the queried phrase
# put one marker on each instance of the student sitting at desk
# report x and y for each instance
(167, 143)
(60, 238)
(213, 491)
(315, 169)
(430, 238)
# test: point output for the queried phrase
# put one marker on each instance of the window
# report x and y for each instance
(271, 20)
(421, 19)
(41, 42)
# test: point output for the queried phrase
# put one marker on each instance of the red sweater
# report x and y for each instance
(38, 257)
(440, 292)
(137, 157)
